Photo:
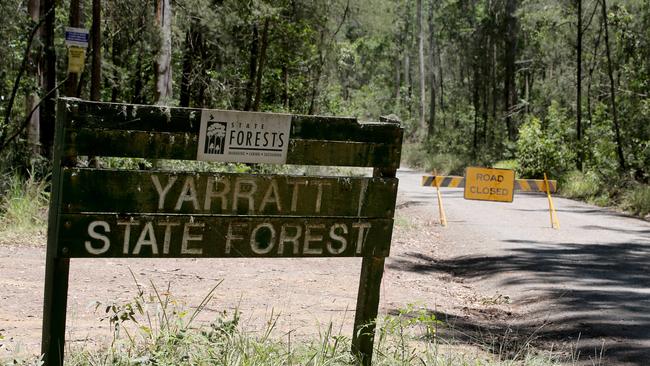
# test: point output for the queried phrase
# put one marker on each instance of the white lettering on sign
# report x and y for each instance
(245, 137)
(157, 238)
(187, 237)
(241, 195)
(95, 235)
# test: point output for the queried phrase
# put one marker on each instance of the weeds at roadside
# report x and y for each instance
(155, 328)
(23, 208)
(637, 200)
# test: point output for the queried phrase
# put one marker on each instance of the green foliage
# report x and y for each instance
(637, 200)
(446, 164)
(23, 206)
(576, 184)
(507, 164)
(414, 156)
(544, 149)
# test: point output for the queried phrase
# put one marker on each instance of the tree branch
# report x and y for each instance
(22, 69)
(29, 116)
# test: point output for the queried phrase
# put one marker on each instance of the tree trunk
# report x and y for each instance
(475, 103)
(191, 44)
(509, 92)
(74, 20)
(48, 110)
(398, 84)
(432, 75)
(164, 60)
(252, 69)
(260, 66)
(117, 45)
(96, 68)
(612, 91)
(422, 106)
(580, 155)
(285, 89)
(32, 99)
(317, 74)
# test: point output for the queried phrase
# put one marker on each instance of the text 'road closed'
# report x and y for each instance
(489, 184)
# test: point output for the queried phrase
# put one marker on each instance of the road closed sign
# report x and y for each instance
(487, 184)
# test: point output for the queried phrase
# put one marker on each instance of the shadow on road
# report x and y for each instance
(609, 300)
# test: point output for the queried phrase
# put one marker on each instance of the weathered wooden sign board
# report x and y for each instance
(99, 213)
(489, 184)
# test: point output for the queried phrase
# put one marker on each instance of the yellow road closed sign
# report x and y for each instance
(487, 184)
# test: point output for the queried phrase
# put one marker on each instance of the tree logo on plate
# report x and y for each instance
(215, 138)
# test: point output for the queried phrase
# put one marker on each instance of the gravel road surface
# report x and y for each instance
(586, 283)
(497, 274)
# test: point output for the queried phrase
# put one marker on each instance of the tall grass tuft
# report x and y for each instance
(445, 164)
(637, 200)
(158, 329)
(576, 184)
(23, 205)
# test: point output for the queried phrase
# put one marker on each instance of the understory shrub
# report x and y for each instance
(576, 184)
(23, 205)
(545, 148)
(445, 164)
(637, 200)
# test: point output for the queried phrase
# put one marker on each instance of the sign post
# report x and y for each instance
(102, 213)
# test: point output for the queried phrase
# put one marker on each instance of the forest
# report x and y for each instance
(557, 87)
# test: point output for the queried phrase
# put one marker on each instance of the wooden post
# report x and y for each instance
(555, 223)
(441, 209)
(372, 271)
(56, 268)
(82, 198)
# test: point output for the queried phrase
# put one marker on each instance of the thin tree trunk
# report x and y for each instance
(74, 20)
(32, 99)
(398, 84)
(116, 58)
(493, 76)
(422, 106)
(441, 80)
(252, 69)
(509, 92)
(164, 61)
(475, 102)
(260, 66)
(96, 69)
(580, 155)
(432, 75)
(191, 43)
(48, 110)
(592, 68)
(612, 90)
(285, 89)
(317, 75)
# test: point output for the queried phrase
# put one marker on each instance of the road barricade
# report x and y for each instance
(520, 185)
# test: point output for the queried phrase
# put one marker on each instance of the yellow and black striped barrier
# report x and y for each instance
(521, 185)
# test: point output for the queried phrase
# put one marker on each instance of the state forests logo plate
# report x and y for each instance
(244, 137)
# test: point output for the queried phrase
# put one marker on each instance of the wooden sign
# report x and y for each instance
(487, 184)
(98, 213)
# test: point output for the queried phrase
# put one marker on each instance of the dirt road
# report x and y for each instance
(498, 274)
(590, 279)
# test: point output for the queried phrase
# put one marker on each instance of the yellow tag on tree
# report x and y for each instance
(76, 59)
(487, 184)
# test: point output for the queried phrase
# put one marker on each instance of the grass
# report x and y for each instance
(157, 329)
(23, 208)
(637, 200)
(579, 185)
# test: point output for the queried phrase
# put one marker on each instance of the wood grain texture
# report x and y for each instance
(144, 236)
(121, 191)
